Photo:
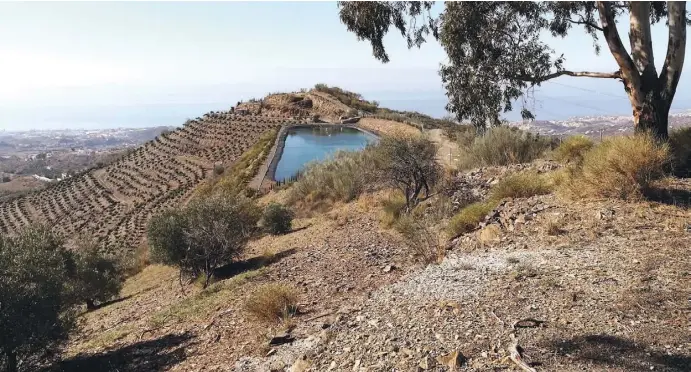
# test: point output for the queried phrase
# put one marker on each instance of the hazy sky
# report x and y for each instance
(74, 58)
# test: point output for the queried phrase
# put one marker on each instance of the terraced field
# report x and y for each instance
(114, 203)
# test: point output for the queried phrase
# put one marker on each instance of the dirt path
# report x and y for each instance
(448, 150)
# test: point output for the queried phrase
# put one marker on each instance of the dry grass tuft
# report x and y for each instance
(621, 167)
(501, 146)
(421, 238)
(393, 207)
(572, 149)
(468, 218)
(521, 185)
(272, 303)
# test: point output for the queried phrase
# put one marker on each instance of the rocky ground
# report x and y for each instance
(578, 286)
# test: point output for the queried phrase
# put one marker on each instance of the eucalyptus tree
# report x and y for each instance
(495, 53)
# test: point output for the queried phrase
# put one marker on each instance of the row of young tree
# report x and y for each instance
(42, 286)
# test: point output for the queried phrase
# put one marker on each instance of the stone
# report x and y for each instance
(427, 363)
(388, 268)
(453, 360)
(280, 339)
(301, 364)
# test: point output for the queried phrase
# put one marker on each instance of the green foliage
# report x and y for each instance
(620, 167)
(495, 50)
(166, 235)
(572, 149)
(503, 146)
(410, 166)
(680, 146)
(350, 99)
(277, 219)
(520, 185)
(95, 277)
(35, 296)
(205, 235)
(233, 181)
(468, 218)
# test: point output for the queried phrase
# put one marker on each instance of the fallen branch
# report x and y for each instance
(527, 323)
(497, 318)
(515, 356)
(320, 316)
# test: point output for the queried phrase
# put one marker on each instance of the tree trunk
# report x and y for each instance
(652, 117)
(651, 110)
(10, 361)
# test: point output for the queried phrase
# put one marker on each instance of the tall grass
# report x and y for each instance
(572, 149)
(621, 167)
(341, 178)
(501, 146)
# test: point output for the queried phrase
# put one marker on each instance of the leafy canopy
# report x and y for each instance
(494, 50)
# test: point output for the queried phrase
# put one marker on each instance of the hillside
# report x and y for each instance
(114, 203)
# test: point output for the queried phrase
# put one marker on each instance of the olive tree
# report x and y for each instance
(35, 296)
(203, 236)
(495, 53)
(410, 166)
(96, 278)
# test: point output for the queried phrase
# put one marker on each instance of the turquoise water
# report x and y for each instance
(306, 144)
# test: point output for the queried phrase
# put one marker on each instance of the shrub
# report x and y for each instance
(341, 178)
(680, 146)
(421, 238)
(272, 302)
(95, 277)
(204, 236)
(620, 167)
(503, 146)
(572, 149)
(392, 206)
(520, 185)
(35, 298)
(410, 166)
(468, 218)
(277, 219)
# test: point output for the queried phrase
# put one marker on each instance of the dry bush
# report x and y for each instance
(393, 207)
(502, 146)
(572, 149)
(272, 303)
(680, 146)
(421, 239)
(521, 185)
(409, 164)
(621, 167)
(469, 217)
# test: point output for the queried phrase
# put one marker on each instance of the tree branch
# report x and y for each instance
(628, 70)
(640, 37)
(600, 75)
(676, 48)
(586, 23)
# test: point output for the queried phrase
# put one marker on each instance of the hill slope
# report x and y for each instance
(114, 203)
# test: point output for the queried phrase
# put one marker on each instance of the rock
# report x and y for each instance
(427, 363)
(281, 339)
(271, 352)
(489, 233)
(388, 268)
(452, 360)
(301, 364)
(356, 366)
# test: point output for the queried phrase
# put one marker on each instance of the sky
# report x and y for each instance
(105, 64)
